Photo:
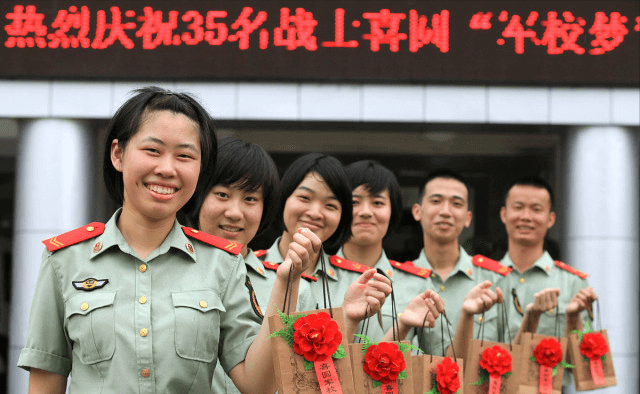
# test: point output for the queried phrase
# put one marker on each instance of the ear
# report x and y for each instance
(552, 219)
(503, 215)
(416, 211)
(117, 155)
(467, 222)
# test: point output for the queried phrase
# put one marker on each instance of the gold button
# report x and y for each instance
(547, 267)
(551, 312)
(433, 275)
(389, 273)
(84, 306)
(97, 247)
(193, 230)
(441, 288)
(144, 332)
(480, 319)
(315, 275)
(338, 261)
(145, 373)
(469, 271)
(203, 304)
(190, 248)
(143, 267)
(143, 300)
(90, 228)
(521, 280)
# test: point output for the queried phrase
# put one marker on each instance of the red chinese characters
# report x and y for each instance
(296, 31)
(26, 28)
(385, 27)
(155, 32)
(68, 21)
(116, 29)
(608, 32)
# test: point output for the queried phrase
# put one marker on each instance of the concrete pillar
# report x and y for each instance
(52, 197)
(601, 234)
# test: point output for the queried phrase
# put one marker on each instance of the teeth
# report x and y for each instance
(161, 189)
(231, 229)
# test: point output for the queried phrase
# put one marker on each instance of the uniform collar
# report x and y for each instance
(545, 263)
(382, 265)
(254, 264)
(113, 237)
(273, 256)
(463, 264)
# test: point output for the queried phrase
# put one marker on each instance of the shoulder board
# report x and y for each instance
(260, 253)
(569, 268)
(347, 264)
(220, 243)
(412, 269)
(491, 265)
(74, 236)
(274, 267)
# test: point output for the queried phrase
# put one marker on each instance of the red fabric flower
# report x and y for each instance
(447, 376)
(384, 362)
(593, 346)
(548, 353)
(316, 336)
(496, 360)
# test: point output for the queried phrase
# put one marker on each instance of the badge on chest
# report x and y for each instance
(90, 284)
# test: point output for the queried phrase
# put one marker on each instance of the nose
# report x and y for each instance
(233, 211)
(445, 209)
(363, 210)
(314, 210)
(165, 167)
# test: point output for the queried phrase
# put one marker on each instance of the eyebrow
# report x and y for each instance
(185, 145)
(442, 196)
(331, 197)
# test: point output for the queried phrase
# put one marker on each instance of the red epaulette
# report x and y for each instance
(220, 243)
(347, 264)
(274, 267)
(412, 268)
(260, 253)
(492, 265)
(74, 236)
(569, 268)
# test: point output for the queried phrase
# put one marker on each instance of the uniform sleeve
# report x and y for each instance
(239, 325)
(47, 346)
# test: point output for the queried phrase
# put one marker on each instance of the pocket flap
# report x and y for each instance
(84, 303)
(202, 300)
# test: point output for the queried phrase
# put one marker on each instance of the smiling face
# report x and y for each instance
(527, 215)
(160, 166)
(444, 210)
(312, 205)
(371, 215)
(232, 213)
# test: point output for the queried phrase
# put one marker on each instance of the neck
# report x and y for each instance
(283, 248)
(442, 257)
(143, 235)
(363, 254)
(524, 256)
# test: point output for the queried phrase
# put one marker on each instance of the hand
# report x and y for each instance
(543, 301)
(303, 253)
(581, 301)
(481, 298)
(428, 304)
(366, 296)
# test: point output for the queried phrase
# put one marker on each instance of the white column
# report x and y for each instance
(602, 215)
(52, 196)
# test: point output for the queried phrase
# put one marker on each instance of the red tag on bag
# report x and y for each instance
(546, 380)
(327, 376)
(596, 372)
(494, 384)
(389, 388)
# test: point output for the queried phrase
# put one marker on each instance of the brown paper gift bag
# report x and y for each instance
(582, 372)
(364, 383)
(530, 370)
(429, 366)
(473, 371)
(291, 375)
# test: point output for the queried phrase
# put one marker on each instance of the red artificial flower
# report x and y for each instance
(496, 361)
(316, 336)
(593, 346)
(447, 376)
(548, 353)
(384, 362)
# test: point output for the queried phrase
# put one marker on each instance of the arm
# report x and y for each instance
(364, 297)
(478, 299)
(256, 373)
(581, 301)
(428, 304)
(45, 382)
(543, 301)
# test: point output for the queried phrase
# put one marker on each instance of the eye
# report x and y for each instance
(333, 206)
(222, 195)
(354, 202)
(379, 203)
(152, 150)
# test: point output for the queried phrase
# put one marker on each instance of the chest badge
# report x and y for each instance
(90, 284)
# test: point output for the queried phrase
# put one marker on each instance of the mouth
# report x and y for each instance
(363, 224)
(230, 229)
(310, 225)
(525, 228)
(444, 224)
(162, 192)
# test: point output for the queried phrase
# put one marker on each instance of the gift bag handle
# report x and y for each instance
(325, 283)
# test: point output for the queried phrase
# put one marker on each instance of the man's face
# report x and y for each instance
(444, 210)
(527, 215)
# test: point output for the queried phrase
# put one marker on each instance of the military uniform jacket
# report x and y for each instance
(467, 273)
(157, 325)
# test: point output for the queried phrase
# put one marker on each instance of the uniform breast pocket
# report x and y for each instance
(488, 326)
(90, 324)
(553, 321)
(197, 324)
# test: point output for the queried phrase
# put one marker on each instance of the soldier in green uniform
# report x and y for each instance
(315, 194)
(142, 304)
(537, 283)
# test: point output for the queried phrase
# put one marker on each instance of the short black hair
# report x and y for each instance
(129, 118)
(445, 174)
(247, 166)
(332, 172)
(377, 178)
(530, 180)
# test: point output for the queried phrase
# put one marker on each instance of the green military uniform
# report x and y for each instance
(121, 324)
(545, 273)
(467, 273)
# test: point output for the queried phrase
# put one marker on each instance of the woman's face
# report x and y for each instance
(371, 215)
(313, 205)
(231, 213)
(160, 165)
